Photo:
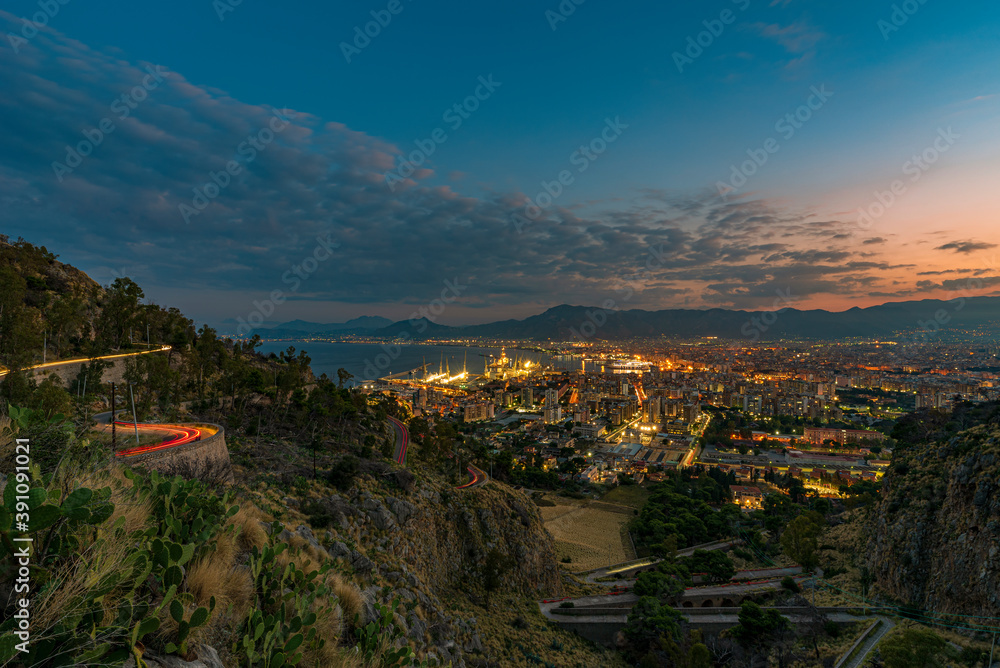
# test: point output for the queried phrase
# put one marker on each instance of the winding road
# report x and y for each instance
(866, 648)
(402, 440)
(175, 434)
(477, 477)
(81, 360)
(178, 435)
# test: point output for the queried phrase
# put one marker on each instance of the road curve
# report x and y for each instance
(870, 644)
(477, 477)
(178, 435)
(402, 440)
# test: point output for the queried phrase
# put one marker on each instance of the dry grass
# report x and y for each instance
(590, 536)
(350, 599)
(329, 626)
(100, 559)
(217, 576)
(247, 522)
(219, 571)
(91, 569)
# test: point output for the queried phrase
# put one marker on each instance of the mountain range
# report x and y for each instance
(928, 319)
(302, 328)
(916, 320)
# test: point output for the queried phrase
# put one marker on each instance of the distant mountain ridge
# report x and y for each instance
(294, 328)
(918, 320)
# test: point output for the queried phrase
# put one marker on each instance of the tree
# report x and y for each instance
(913, 648)
(343, 376)
(343, 472)
(19, 333)
(119, 313)
(666, 549)
(800, 541)
(758, 626)
(715, 564)
(649, 621)
(494, 568)
(51, 399)
(659, 585)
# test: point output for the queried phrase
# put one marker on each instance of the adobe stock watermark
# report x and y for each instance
(293, 277)
(122, 108)
(20, 483)
(223, 7)
(582, 158)
(562, 13)
(455, 116)
(900, 16)
(596, 319)
(932, 328)
(698, 43)
(363, 37)
(30, 27)
(918, 165)
(755, 327)
(248, 149)
(452, 290)
(786, 126)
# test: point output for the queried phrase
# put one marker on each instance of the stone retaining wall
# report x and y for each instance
(208, 453)
(67, 373)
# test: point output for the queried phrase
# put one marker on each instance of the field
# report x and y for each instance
(590, 534)
(633, 496)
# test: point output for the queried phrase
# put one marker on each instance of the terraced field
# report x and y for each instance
(590, 534)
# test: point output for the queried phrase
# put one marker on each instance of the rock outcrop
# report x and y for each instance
(936, 531)
(427, 546)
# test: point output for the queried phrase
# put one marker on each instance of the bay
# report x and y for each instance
(367, 361)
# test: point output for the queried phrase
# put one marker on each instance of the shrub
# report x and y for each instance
(789, 583)
(343, 472)
(319, 515)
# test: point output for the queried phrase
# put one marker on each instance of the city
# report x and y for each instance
(559, 334)
(637, 416)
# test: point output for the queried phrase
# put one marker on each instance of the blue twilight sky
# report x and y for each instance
(885, 81)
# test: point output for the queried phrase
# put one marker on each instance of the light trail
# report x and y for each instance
(49, 365)
(179, 435)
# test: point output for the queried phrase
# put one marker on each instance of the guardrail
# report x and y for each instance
(857, 643)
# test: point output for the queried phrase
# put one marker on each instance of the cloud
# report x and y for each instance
(798, 39)
(320, 185)
(966, 247)
(966, 286)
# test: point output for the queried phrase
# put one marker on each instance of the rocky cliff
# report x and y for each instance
(432, 547)
(935, 534)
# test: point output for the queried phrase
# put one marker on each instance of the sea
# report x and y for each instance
(369, 361)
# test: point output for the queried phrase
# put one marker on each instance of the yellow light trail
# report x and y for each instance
(48, 365)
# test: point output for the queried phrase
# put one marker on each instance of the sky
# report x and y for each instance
(243, 160)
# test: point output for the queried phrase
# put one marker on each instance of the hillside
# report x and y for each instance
(935, 535)
(42, 297)
(314, 532)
